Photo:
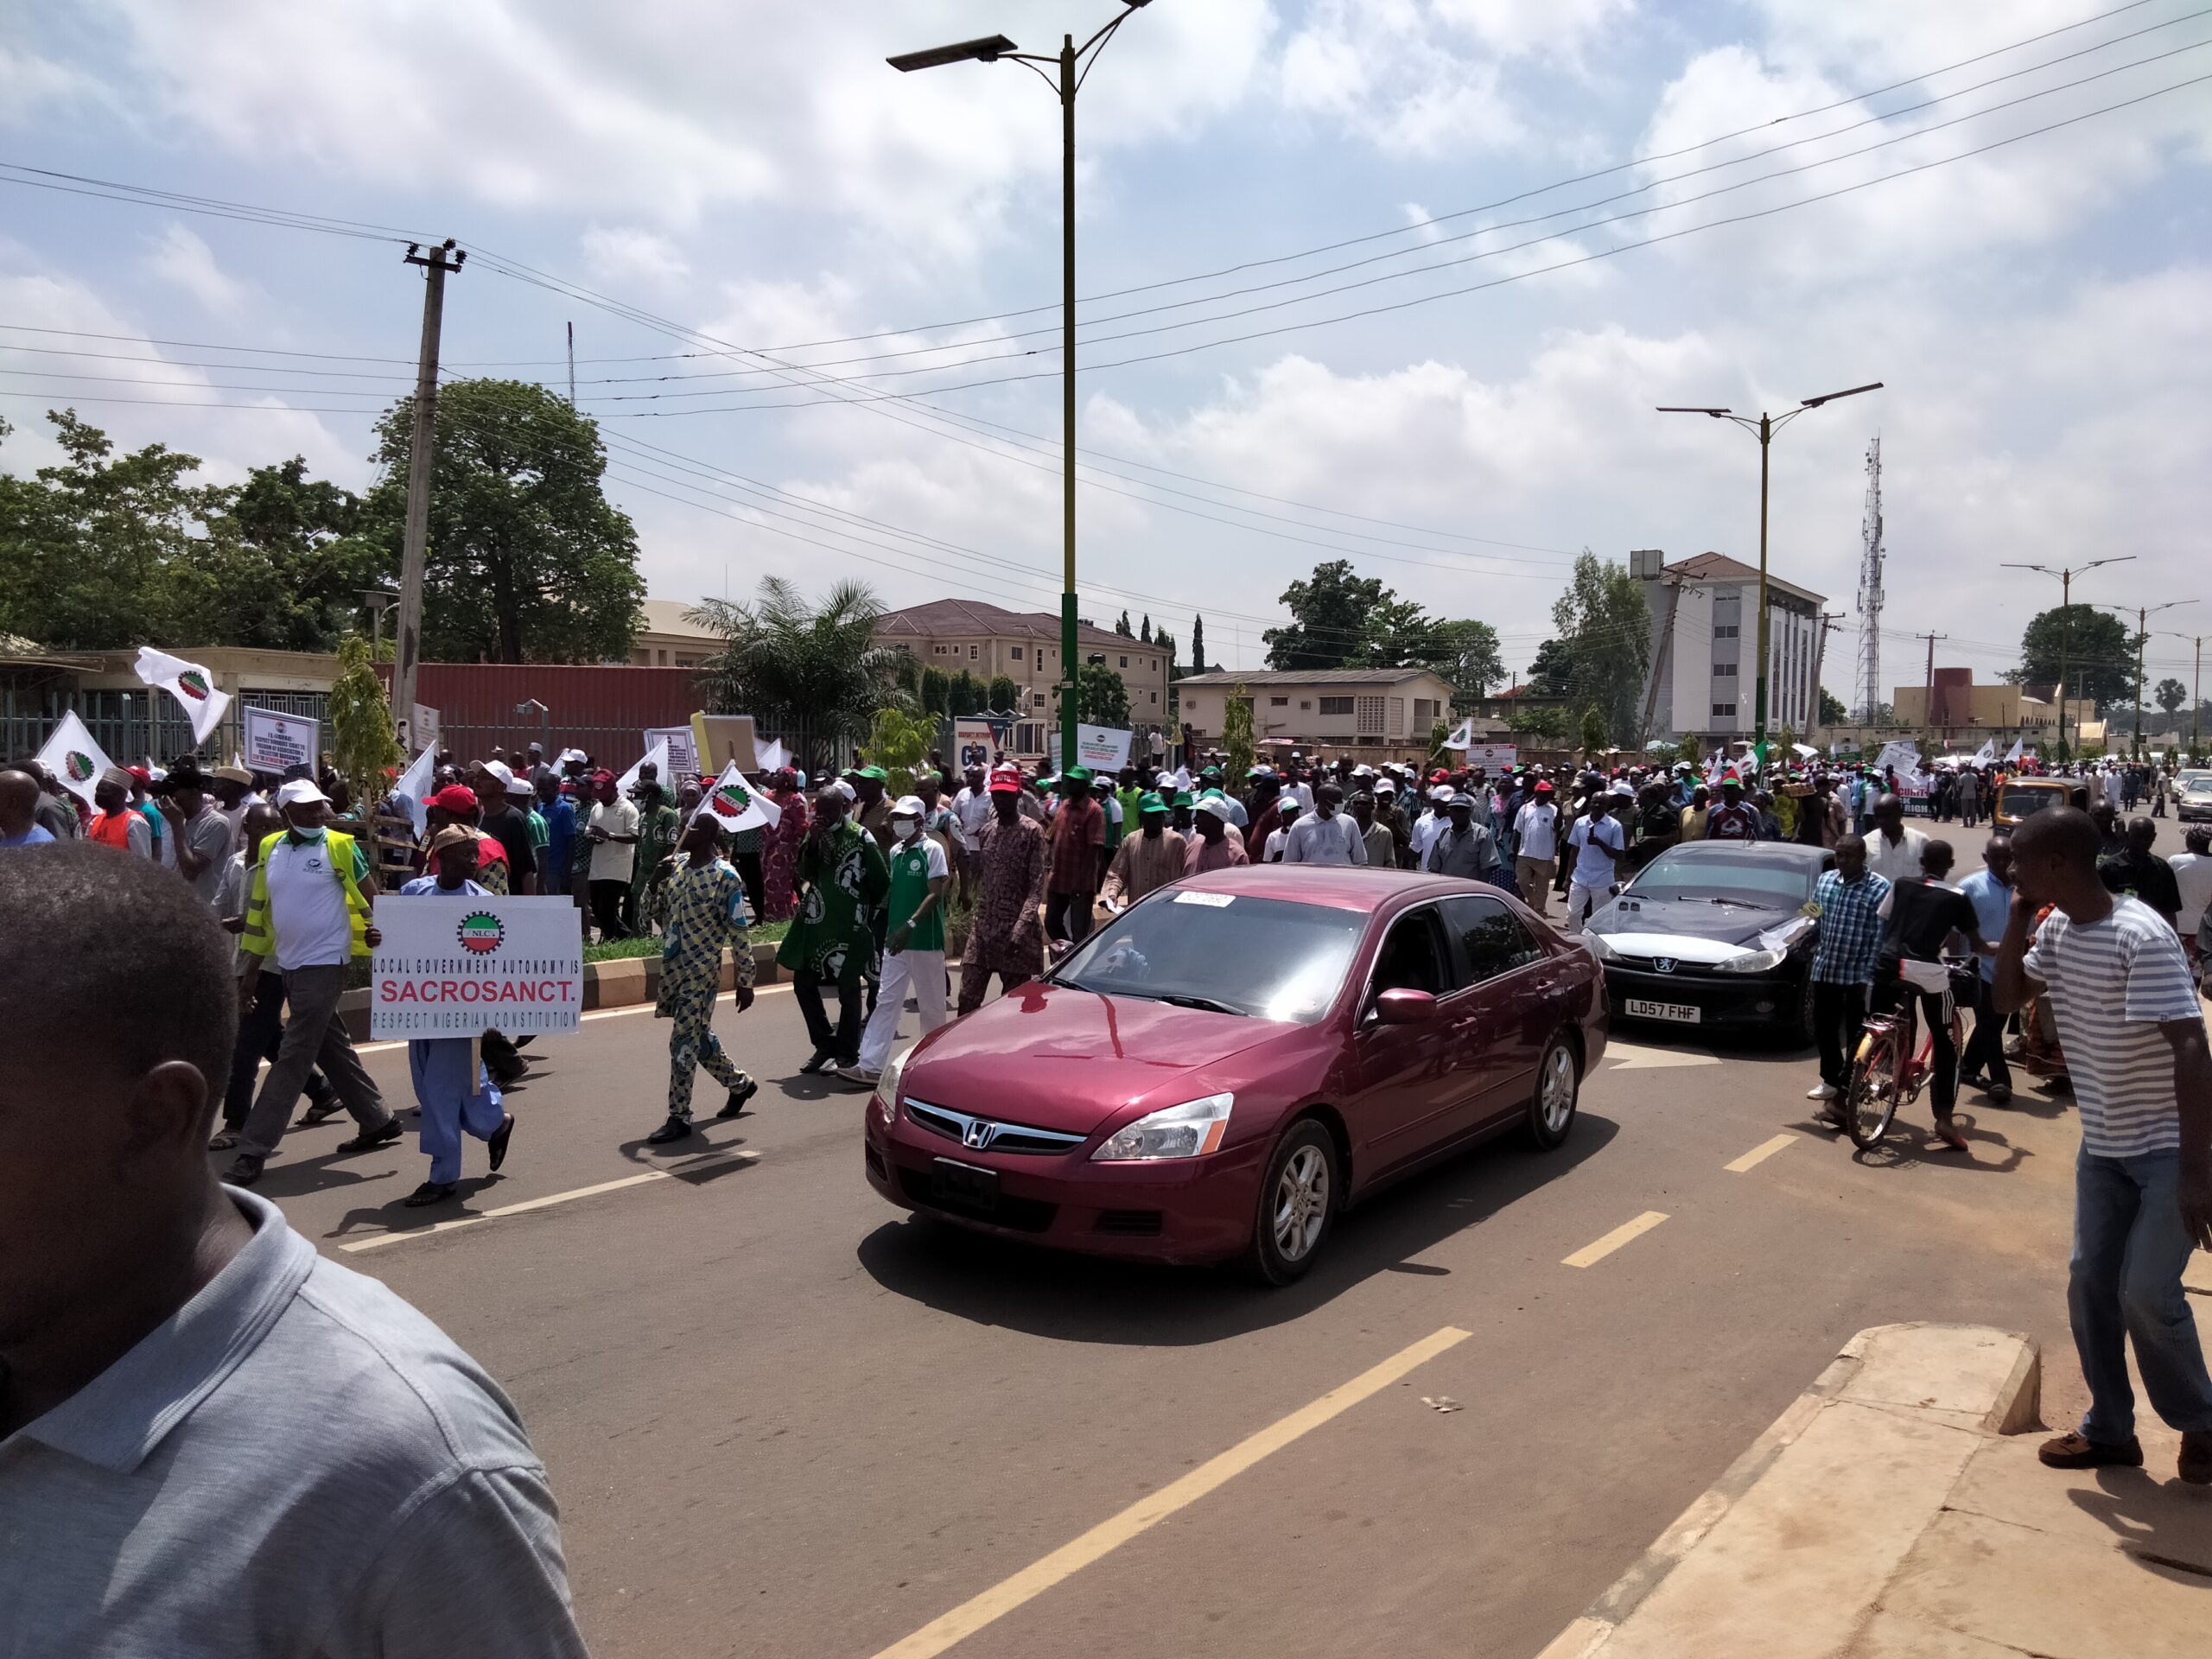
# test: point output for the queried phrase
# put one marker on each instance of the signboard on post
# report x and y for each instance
(974, 743)
(1494, 758)
(453, 967)
(1099, 747)
(274, 741)
(721, 739)
(683, 760)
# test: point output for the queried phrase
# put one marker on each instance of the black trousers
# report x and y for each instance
(1944, 1058)
(606, 900)
(1067, 916)
(261, 1028)
(1985, 1053)
(750, 874)
(841, 1041)
(1838, 1015)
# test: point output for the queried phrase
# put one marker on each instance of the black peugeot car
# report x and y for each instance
(1715, 934)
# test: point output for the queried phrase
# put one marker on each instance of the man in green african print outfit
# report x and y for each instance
(833, 937)
(705, 904)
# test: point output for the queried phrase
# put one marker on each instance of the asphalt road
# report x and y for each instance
(784, 1418)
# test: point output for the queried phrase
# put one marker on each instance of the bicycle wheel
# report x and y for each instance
(1868, 1103)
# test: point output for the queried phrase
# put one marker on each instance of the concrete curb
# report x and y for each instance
(1953, 1381)
(621, 983)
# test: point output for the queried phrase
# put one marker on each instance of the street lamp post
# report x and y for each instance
(2196, 691)
(2066, 575)
(1072, 68)
(2143, 616)
(1765, 427)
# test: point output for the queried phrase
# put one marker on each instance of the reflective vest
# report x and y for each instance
(260, 938)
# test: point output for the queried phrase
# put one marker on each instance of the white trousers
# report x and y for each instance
(1580, 901)
(919, 971)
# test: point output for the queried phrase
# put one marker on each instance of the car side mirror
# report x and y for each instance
(1404, 1006)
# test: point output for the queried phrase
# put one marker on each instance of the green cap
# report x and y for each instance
(1150, 801)
(1075, 775)
(1182, 798)
(875, 772)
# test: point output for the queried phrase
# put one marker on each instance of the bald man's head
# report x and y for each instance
(19, 793)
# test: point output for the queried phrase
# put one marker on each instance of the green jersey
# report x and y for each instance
(914, 864)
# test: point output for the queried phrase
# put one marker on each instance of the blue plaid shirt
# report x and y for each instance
(1851, 927)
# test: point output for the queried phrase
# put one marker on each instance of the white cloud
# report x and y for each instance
(623, 253)
(179, 258)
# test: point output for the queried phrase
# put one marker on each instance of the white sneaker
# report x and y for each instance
(1821, 1091)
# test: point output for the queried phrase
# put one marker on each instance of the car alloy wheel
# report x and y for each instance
(1297, 1199)
(1551, 1113)
(1301, 1203)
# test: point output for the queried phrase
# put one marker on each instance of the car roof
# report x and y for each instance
(1774, 852)
(1340, 886)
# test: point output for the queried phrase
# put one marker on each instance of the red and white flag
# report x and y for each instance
(193, 686)
(735, 805)
(74, 759)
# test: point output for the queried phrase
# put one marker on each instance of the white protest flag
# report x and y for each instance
(1986, 753)
(2012, 754)
(1463, 736)
(656, 756)
(773, 757)
(1714, 767)
(413, 786)
(74, 759)
(735, 805)
(193, 686)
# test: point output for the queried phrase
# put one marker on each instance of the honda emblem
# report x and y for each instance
(978, 1135)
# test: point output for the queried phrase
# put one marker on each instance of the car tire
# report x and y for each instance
(1298, 1199)
(1800, 1032)
(1552, 1103)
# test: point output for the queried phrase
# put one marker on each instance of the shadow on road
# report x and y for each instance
(997, 1282)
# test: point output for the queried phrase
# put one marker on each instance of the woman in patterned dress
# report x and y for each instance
(779, 848)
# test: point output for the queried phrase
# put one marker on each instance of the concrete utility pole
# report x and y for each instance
(572, 365)
(1929, 712)
(407, 655)
(1830, 620)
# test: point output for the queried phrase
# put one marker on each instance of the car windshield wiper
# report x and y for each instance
(1182, 1000)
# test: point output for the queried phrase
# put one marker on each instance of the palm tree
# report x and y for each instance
(811, 674)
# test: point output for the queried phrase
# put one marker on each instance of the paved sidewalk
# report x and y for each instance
(1898, 1509)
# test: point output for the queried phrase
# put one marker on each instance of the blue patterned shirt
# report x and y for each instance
(1851, 927)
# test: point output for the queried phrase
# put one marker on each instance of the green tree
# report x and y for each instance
(1329, 618)
(1101, 699)
(2098, 648)
(1144, 632)
(527, 560)
(965, 695)
(897, 741)
(1123, 628)
(1465, 652)
(1605, 635)
(284, 563)
(1237, 731)
(1547, 724)
(1198, 644)
(364, 746)
(1832, 713)
(1004, 694)
(814, 671)
(935, 690)
(1593, 733)
(2171, 694)
(1552, 674)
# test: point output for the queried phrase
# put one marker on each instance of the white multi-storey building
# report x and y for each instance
(1704, 674)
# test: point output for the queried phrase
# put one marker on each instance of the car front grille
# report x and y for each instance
(988, 1135)
(1129, 1224)
(1020, 1215)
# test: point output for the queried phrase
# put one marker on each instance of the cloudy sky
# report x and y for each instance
(815, 302)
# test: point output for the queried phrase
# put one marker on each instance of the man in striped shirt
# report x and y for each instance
(2134, 1033)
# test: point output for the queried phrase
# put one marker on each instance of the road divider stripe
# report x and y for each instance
(596, 1013)
(1599, 1250)
(1761, 1153)
(1150, 1511)
(705, 1160)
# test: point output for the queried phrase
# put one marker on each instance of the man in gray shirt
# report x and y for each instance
(213, 1442)
(198, 842)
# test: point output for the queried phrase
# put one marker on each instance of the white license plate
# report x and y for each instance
(1683, 1014)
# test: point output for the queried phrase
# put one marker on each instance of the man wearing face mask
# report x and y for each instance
(844, 878)
(913, 944)
(1150, 859)
(307, 908)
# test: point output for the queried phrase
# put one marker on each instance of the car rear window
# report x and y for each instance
(1271, 958)
(1679, 875)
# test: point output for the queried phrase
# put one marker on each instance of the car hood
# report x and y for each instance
(1060, 1059)
(1645, 927)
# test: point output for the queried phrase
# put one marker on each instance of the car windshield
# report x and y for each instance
(1721, 878)
(2021, 799)
(2201, 787)
(1270, 958)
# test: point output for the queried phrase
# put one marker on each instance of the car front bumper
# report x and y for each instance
(1183, 1211)
(1730, 1001)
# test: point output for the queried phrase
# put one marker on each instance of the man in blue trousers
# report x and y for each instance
(450, 1082)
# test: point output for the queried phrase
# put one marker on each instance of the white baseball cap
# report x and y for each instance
(907, 806)
(1217, 804)
(299, 792)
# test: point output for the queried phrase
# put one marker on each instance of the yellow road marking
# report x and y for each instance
(378, 1241)
(1150, 1511)
(1621, 1235)
(596, 1013)
(1761, 1153)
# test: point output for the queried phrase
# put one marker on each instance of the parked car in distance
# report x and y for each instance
(2019, 799)
(1715, 934)
(2193, 802)
(1218, 1072)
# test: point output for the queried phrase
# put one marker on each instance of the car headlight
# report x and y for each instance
(1753, 961)
(1599, 948)
(887, 1086)
(1190, 1130)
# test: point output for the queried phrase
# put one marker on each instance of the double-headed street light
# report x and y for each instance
(2195, 692)
(1764, 428)
(2066, 575)
(2143, 616)
(1073, 68)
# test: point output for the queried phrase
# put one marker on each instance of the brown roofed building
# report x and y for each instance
(953, 634)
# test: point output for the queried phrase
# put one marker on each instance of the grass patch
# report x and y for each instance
(625, 950)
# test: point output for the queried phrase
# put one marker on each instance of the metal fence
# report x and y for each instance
(134, 725)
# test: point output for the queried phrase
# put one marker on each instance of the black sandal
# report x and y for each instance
(431, 1192)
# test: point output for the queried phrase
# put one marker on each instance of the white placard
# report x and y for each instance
(1493, 758)
(681, 760)
(455, 967)
(1101, 748)
(274, 741)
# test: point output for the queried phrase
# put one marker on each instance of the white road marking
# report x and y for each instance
(1599, 1250)
(1634, 1057)
(1150, 1511)
(1761, 1153)
(705, 1160)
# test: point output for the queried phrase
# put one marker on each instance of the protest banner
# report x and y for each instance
(1493, 758)
(972, 743)
(274, 740)
(453, 967)
(1100, 748)
(681, 760)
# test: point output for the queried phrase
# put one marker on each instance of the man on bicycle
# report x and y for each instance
(1849, 901)
(1921, 914)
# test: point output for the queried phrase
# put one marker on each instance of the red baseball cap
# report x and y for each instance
(1006, 780)
(454, 797)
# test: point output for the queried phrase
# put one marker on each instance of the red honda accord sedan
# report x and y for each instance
(1219, 1070)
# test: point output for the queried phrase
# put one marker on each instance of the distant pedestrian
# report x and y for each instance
(1735, 818)
(2133, 1035)
(114, 825)
(1536, 828)
(1466, 849)
(611, 830)
(1325, 836)
(1079, 855)
(1598, 843)
(2141, 874)
(1214, 843)
(1848, 902)
(1146, 860)
(1005, 936)
(1894, 851)
(832, 940)
(705, 898)
(19, 824)
(1990, 890)
(1376, 839)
